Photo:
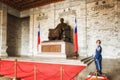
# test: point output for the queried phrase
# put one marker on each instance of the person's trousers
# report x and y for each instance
(98, 63)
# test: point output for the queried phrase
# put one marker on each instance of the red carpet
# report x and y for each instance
(39, 71)
(93, 77)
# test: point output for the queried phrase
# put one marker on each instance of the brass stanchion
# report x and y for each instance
(35, 72)
(15, 70)
(0, 67)
(0, 64)
(61, 73)
(96, 75)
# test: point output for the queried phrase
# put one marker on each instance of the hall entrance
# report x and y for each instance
(17, 35)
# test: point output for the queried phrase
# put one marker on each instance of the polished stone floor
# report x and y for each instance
(47, 60)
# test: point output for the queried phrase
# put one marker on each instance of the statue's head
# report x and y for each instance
(61, 20)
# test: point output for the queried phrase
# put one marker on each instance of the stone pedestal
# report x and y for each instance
(56, 48)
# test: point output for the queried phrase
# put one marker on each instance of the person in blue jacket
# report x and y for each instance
(98, 57)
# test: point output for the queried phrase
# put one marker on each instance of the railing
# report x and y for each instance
(19, 70)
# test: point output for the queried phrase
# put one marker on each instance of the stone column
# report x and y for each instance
(85, 31)
(3, 31)
(31, 38)
(83, 20)
(33, 34)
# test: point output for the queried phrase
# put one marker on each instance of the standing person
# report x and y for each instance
(98, 57)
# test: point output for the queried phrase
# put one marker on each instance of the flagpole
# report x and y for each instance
(38, 38)
(75, 41)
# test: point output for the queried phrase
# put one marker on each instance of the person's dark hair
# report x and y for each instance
(98, 41)
(61, 20)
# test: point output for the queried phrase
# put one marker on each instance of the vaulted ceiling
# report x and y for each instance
(27, 4)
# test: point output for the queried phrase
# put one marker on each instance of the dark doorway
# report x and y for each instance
(14, 35)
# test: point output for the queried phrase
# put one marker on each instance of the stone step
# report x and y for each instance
(53, 55)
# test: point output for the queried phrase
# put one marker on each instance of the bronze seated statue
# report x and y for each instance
(61, 32)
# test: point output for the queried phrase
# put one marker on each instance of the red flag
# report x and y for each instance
(75, 37)
(38, 42)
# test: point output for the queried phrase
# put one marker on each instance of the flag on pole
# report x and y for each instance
(38, 41)
(75, 37)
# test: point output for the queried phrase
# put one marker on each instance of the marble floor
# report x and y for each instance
(47, 60)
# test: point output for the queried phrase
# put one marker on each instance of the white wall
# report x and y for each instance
(99, 23)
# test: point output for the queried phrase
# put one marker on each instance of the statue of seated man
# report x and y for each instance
(61, 32)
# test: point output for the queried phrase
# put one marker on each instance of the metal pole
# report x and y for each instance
(61, 73)
(35, 72)
(96, 76)
(15, 70)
